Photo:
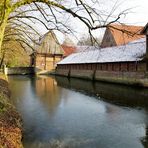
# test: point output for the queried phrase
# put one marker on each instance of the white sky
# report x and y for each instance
(137, 15)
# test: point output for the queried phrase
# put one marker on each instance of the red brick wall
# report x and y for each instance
(110, 66)
(98, 66)
(141, 66)
(104, 67)
(115, 67)
(123, 67)
(132, 66)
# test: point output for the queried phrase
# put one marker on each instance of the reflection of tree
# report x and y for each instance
(144, 140)
(18, 86)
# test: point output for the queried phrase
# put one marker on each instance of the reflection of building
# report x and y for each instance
(47, 91)
(48, 53)
(120, 94)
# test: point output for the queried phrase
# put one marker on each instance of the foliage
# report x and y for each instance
(15, 55)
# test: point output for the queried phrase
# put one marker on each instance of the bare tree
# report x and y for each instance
(17, 19)
(87, 41)
(82, 10)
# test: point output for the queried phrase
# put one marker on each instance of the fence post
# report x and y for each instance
(5, 70)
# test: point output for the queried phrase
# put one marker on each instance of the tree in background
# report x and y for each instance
(68, 42)
(88, 41)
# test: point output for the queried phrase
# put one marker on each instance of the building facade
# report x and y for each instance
(126, 64)
(47, 54)
(116, 35)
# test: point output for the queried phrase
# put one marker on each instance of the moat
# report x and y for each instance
(73, 113)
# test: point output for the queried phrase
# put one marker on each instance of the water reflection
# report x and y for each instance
(56, 114)
(118, 94)
(144, 140)
(46, 90)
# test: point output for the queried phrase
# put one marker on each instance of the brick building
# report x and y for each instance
(130, 57)
(116, 35)
(145, 32)
(48, 53)
(68, 49)
(126, 63)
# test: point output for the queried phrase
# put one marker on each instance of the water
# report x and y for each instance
(62, 113)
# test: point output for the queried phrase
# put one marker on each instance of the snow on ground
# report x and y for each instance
(132, 51)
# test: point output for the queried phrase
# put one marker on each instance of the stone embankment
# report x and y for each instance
(10, 120)
(127, 78)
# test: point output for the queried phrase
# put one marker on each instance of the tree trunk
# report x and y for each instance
(3, 26)
(2, 60)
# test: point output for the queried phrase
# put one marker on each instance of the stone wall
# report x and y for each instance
(62, 72)
(85, 74)
(125, 77)
(19, 70)
(129, 78)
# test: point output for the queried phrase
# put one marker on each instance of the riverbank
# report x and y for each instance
(10, 120)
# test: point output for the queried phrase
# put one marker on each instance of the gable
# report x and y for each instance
(121, 35)
(145, 30)
(50, 44)
(108, 39)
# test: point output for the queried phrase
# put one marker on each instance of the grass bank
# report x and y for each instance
(10, 120)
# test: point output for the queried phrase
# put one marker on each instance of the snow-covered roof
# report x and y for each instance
(132, 51)
(85, 48)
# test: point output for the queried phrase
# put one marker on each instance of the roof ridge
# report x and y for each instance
(115, 24)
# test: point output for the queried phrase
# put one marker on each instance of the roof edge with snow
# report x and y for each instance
(130, 52)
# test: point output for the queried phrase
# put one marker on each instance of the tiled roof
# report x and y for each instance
(68, 50)
(116, 35)
(124, 33)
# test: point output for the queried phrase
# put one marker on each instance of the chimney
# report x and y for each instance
(145, 32)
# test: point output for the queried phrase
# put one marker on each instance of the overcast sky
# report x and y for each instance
(137, 15)
(140, 12)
